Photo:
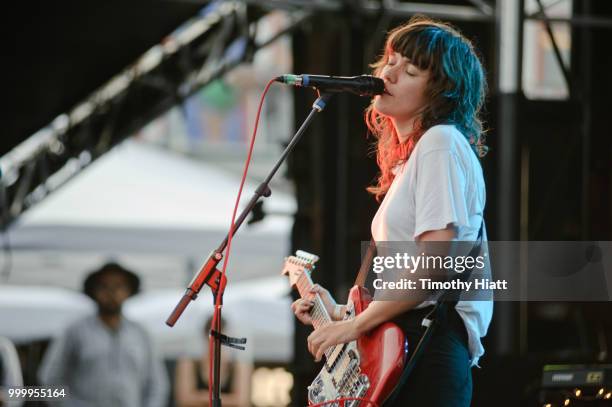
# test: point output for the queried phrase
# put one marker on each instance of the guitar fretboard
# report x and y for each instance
(318, 313)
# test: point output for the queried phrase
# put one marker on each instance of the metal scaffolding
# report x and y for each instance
(200, 51)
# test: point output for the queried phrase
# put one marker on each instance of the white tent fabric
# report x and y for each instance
(161, 213)
(140, 185)
(37, 313)
(259, 311)
(139, 199)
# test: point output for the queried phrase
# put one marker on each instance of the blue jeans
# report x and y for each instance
(442, 375)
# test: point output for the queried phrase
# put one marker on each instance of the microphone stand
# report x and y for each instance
(211, 276)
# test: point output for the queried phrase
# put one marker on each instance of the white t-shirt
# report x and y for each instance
(440, 184)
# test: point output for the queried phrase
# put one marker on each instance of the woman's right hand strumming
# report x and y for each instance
(301, 308)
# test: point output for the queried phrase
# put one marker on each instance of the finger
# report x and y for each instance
(311, 348)
(310, 299)
(314, 342)
(306, 309)
(304, 317)
(320, 351)
(301, 304)
(323, 293)
(318, 289)
(312, 339)
(306, 303)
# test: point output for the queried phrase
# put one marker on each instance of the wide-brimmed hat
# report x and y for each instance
(91, 282)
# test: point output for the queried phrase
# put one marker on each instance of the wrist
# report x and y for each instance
(363, 322)
(358, 325)
(338, 312)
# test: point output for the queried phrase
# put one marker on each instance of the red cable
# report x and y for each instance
(216, 322)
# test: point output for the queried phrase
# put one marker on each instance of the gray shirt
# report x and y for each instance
(103, 368)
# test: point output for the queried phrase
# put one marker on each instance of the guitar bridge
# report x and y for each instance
(342, 379)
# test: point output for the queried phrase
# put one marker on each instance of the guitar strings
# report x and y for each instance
(322, 318)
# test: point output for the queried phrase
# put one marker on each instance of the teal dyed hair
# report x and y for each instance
(455, 91)
(457, 85)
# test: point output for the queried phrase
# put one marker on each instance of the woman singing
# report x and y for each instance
(431, 188)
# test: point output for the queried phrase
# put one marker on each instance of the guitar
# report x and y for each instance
(364, 371)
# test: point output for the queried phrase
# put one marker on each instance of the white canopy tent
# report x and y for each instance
(159, 214)
(151, 204)
(258, 310)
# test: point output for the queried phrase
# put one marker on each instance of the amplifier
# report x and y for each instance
(576, 375)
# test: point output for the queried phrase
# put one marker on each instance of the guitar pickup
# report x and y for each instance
(333, 358)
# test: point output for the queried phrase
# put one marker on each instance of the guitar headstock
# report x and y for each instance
(295, 266)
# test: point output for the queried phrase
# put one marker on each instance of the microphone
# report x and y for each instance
(363, 85)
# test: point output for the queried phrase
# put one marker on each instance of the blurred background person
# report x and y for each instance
(191, 378)
(105, 359)
(10, 370)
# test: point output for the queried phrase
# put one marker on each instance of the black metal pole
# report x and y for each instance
(586, 98)
(207, 271)
(216, 398)
(509, 27)
(264, 189)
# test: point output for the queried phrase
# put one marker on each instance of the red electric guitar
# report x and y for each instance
(366, 369)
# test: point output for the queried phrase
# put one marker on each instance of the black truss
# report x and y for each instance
(159, 80)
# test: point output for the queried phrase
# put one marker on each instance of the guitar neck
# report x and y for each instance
(318, 313)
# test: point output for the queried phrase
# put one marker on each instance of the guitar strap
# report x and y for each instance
(368, 258)
(445, 303)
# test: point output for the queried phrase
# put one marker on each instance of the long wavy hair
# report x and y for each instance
(455, 92)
